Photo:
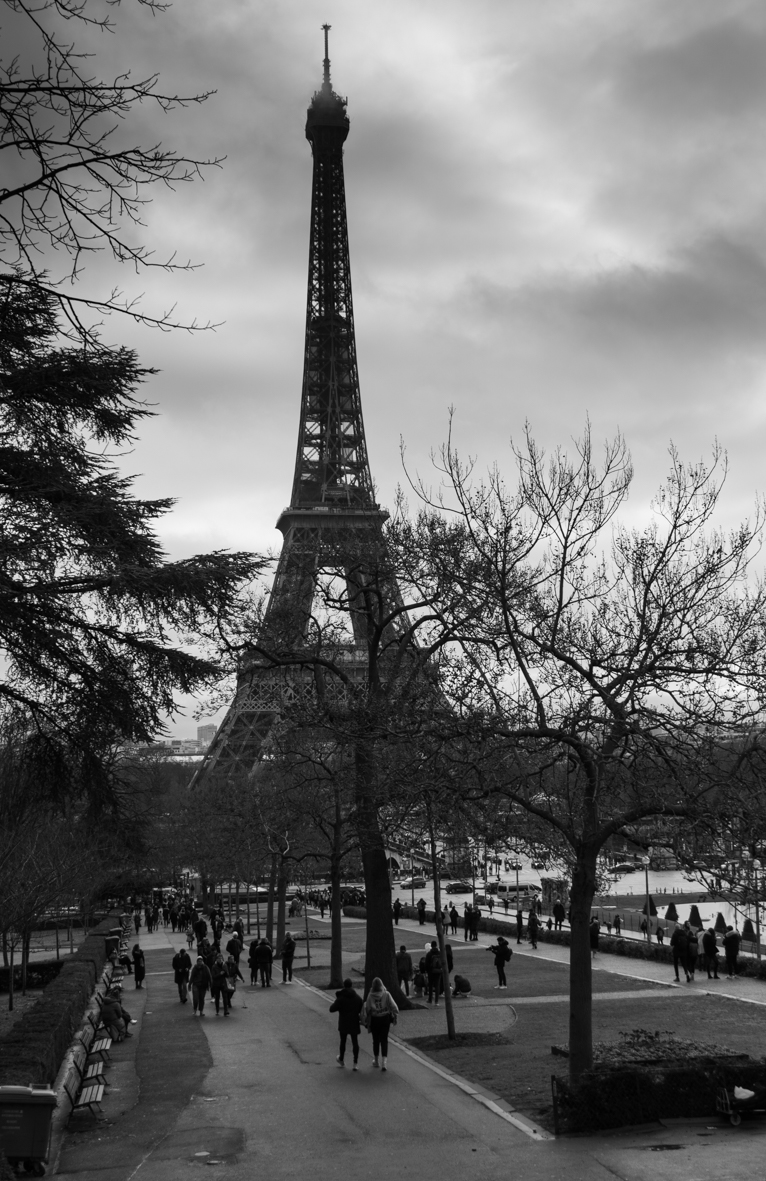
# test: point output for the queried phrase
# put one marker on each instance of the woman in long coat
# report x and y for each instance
(139, 966)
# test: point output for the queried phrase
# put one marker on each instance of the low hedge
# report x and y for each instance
(39, 974)
(615, 1098)
(34, 1047)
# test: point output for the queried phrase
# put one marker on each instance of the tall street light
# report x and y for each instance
(645, 861)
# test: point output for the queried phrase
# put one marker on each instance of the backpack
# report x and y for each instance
(508, 954)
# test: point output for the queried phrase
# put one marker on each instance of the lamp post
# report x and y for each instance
(645, 861)
(412, 874)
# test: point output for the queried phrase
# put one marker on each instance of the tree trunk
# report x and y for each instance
(440, 935)
(270, 900)
(281, 892)
(380, 950)
(25, 941)
(10, 979)
(580, 983)
(336, 930)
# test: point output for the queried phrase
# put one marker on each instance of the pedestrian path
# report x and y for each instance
(261, 1094)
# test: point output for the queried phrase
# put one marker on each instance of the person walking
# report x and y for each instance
(731, 942)
(490, 905)
(404, 969)
(617, 925)
(710, 952)
(263, 960)
(252, 962)
(533, 925)
(201, 982)
(466, 921)
(139, 966)
(519, 925)
(397, 911)
(502, 953)
(678, 943)
(288, 955)
(234, 947)
(348, 1005)
(445, 918)
(218, 989)
(559, 914)
(422, 911)
(181, 969)
(454, 918)
(593, 932)
(380, 1013)
(233, 974)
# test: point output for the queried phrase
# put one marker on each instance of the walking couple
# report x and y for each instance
(379, 1012)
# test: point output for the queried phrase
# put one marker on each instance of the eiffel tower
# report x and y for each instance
(333, 517)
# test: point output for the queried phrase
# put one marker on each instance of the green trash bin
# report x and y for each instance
(25, 1124)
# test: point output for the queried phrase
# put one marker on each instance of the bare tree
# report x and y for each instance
(608, 665)
(76, 182)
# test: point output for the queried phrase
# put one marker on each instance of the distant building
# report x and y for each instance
(206, 734)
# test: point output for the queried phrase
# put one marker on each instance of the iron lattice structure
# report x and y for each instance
(332, 522)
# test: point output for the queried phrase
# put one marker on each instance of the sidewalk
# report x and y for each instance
(260, 1093)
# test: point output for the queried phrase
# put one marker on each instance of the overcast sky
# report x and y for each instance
(555, 210)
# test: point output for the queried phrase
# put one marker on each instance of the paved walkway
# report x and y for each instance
(260, 1093)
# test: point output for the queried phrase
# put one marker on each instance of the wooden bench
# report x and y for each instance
(95, 1042)
(83, 1096)
(89, 1072)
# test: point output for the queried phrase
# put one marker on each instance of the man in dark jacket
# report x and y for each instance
(678, 942)
(288, 954)
(404, 968)
(519, 925)
(181, 969)
(397, 910)
(421, 908)
(434, 972)
(263, 957)
(559, 914)
(533, 924)
(201, 982)
(234, 947)
(348, 1005)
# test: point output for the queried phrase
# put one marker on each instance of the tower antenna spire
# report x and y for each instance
(326, 78)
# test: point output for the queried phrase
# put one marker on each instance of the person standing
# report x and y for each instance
(502, 953)
(348, 1005)
(475, 917)
(139, 966)
(731, 942)
(519, 925)
(137, 919)
(445, 918)
(678, 945)
(533, 924)
(491, 905)
(454, 918)
(181, 969)
(559, 914)
(288, 954)
(466, 921)
(201, 982)
(710, 951)
(434, 972)
(422, 911)
(397, 910)
(404, 969)
(692, 949)
(380, 1012)
(617, 925)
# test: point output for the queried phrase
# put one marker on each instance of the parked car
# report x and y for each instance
(458, 888)
(624, 867)
(412, 884)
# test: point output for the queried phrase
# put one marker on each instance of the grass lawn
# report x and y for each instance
(517, 1065)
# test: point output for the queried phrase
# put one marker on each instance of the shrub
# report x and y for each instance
(615, 1098)
(34, 1047)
